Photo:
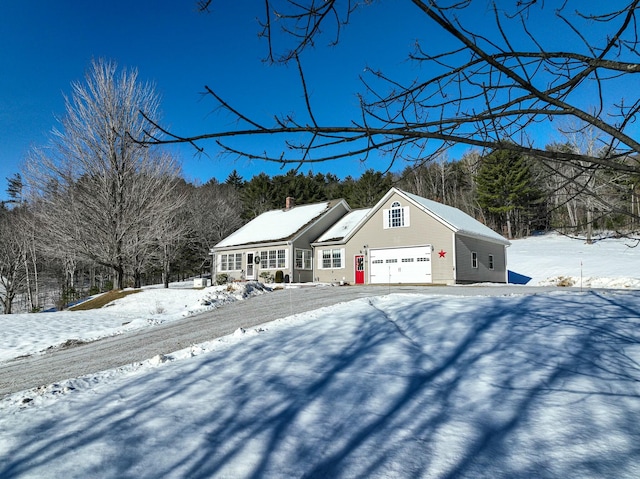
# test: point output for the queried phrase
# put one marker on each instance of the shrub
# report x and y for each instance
(222, 278)
(565, 282)
(279, 276)
(266, 277)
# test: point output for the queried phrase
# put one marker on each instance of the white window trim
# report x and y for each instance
(272, 254)
(229, 261)
(331, 253)
(404, 216)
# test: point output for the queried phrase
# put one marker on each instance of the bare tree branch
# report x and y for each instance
(497, 81)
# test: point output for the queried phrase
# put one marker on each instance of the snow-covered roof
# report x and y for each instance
(344, 226)
(277, 225)
(457, 219)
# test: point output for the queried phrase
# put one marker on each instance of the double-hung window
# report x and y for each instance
(231, 262)
(303, 259)
(273, 258)
(331, 258)
(336, 258)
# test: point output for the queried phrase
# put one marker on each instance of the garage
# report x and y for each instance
(400, 265)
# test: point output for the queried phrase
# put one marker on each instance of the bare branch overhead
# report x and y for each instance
(499, 82)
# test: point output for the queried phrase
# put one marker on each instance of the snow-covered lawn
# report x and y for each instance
(553, 259)
(24, 334)
(542, 386)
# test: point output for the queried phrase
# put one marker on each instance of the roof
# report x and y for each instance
(344, 226)
(277, 225)
(457, 219)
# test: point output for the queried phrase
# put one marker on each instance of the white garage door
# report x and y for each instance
(401, 265)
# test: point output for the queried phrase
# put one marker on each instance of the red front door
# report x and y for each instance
(359, 269)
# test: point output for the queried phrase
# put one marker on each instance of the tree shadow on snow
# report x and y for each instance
(548, 388)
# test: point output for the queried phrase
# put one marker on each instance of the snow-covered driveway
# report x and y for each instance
(144, 343)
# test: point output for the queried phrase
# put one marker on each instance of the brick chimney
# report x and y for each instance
(290, 202)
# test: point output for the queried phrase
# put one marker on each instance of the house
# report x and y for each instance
(405, 238)
(278, 240)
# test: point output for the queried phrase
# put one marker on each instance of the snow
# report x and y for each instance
(344, 226)
(458, 219)
(553, 259)
(275, 225)
(25, 334)
(541, 385)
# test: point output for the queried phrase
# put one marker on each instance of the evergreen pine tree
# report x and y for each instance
(258, 195)
(14, 188)
(369, 188)
(235, 180)
(506, 190)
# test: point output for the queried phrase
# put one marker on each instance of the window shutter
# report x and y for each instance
(320, 265)
(342, 257)
(385, 219)
(405, 211)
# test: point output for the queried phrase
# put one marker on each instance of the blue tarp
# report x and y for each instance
(517, 278)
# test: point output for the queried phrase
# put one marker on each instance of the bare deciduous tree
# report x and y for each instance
(509, 70)
(13, 257)
(100, 193)
(217, 214)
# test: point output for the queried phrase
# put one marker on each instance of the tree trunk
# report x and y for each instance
(119, 279)
(165, 267)
(509, 232)
(137, 279)
(36, 281)
(28, 282)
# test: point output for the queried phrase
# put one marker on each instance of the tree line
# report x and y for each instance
(80, 241)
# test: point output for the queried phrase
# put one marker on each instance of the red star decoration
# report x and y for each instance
(442, 253)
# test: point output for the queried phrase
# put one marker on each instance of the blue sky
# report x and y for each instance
(44, 46)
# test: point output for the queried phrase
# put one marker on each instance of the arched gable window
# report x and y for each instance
(396, 217)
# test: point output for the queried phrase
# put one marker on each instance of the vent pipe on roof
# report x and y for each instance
(290, 202)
